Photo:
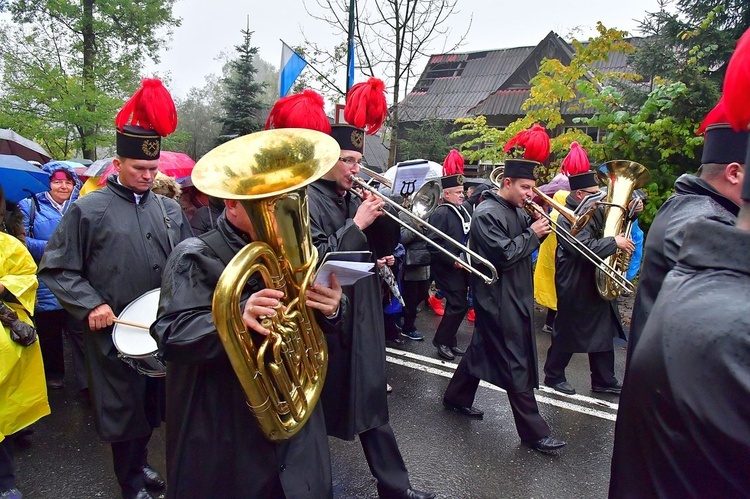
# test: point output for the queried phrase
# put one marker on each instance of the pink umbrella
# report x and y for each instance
(172, 164)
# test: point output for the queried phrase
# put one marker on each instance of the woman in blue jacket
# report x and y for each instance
(42, 213)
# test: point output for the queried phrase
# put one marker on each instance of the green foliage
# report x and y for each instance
(242, 103)
(429, 140)
(652, 135)
(67, 66)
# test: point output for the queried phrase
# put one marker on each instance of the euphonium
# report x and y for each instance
(282, 374)
(622, 178)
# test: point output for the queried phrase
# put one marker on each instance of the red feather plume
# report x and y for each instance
(454, 163)
(366, 106)
(717, 115)
(535, 142)
(577, 161)
(151, 107)
(737, 85)
(303, 110)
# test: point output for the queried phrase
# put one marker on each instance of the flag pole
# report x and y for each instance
(350, 48)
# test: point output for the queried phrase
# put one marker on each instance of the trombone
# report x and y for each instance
(569, 237)
(418, 205)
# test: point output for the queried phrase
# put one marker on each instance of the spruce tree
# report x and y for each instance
(242, 96)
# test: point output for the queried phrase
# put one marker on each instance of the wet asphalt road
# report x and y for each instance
(444, 452)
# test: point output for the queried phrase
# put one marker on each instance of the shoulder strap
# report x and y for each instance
(218, 245)
(32, 215)
(167, 220)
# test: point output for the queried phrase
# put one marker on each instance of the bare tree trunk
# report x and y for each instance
(88, 149)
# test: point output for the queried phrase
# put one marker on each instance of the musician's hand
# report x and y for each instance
(327, 300)
(390, 260)
(381, 263)
(457, 265)
(370, 209)
(535, 214)
(261, 304)
(638, 203)
(101, 317)
(2, 289)
(624, 243)
(541, 227)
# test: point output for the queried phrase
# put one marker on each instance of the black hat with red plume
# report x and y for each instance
(737, 85)
(148, 116)
(365, 112)
(722, 144)
(577, 167)
(302, 110)
(536, 150)
(453, 170)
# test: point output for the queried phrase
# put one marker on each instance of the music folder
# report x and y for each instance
(349, 267)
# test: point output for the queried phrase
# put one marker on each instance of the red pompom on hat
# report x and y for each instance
(717, 115)
(535, 142)
(366, 106)
(151, 108)
(736, 94)
(577, 161)
(454, 163)
(303, 110)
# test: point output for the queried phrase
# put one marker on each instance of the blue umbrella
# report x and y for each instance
(20, 179)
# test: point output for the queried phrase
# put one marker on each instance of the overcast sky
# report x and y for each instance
(212, 27)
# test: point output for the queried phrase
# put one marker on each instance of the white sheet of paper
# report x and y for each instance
(346, 272)
(409, 178)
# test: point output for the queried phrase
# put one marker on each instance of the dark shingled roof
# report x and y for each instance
(489, 83)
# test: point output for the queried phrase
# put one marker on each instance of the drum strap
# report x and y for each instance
(218, 245)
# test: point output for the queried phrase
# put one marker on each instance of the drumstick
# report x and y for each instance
(134, 324)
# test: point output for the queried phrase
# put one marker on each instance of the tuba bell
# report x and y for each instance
(622, 177)
(282, 375)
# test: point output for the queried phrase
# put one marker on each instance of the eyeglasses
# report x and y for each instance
(351, 161)
(58, 183)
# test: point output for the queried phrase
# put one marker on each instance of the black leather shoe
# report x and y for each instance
(469, 412)
(405, 494)
(153, 479)
(546, 444)
(445, 352)
(143, 494)
(563, 387)
(458, 351)
(614, 389)
(395, 343)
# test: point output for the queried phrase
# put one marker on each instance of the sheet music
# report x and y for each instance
(409, 178)
(346, 272)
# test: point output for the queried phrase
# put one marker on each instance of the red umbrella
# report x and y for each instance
(172, 164)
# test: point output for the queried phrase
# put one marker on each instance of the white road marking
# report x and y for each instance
(447, 368)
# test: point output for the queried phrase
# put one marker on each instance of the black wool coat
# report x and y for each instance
(683, 428)
(214, 444)
(694, 199)
(446, 275)
(107, 249)
(354, 396)
(503, 347)
(585, 322)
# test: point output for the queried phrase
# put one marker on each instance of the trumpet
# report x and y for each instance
(602, 266)
(488, 279)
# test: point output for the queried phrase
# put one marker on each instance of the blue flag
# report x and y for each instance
(292, 65)
(350, 72)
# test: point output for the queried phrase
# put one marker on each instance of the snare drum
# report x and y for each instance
(135, 345)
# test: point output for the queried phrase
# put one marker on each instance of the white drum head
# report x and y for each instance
(135, 341)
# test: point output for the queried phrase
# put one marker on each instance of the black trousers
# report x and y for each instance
(384, 459)
(456, 306)
(391, 328)
(50, 325)
(7, 472)
(530, 425)
(414, 293)
(602, 365)
(74, 333)
(129, 457)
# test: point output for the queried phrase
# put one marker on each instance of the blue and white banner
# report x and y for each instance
(292, 65)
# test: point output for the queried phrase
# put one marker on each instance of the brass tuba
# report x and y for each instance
(283, 374)
(622, 177)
